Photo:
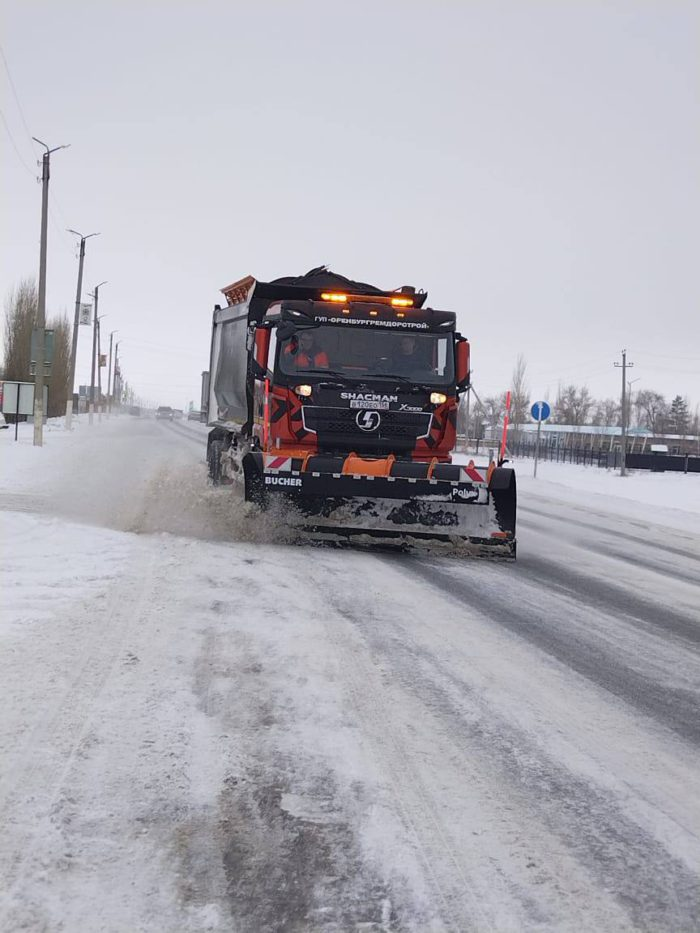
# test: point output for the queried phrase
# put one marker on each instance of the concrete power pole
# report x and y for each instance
(117, 384)
(76, 325)
(41, 309)
(624, 366)
(109, 374)
(99, 369)
(95, 296)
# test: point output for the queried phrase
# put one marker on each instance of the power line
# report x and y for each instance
(16, 95)
(58, 229)
(15, 147)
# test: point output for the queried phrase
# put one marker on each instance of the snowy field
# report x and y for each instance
(206, 728)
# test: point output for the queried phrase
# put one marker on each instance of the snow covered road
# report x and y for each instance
(205, 728)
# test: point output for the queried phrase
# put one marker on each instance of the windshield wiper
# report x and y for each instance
(394, 376)
(320, 372)
(416, 386)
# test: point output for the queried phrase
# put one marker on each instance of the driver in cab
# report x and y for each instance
(407, 357)
(306, 352)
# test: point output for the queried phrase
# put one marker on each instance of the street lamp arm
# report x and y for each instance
(80, 234)
(49, 151)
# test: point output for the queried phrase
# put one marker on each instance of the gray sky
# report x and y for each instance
(532, 165)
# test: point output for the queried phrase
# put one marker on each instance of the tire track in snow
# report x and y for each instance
(452, 888)
(486, 883)
(609, 598)
(676, 709)
(39, 772)
(655, 888)
(600, 529)
(643, 559)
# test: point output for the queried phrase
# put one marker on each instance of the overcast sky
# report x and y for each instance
(532, 165)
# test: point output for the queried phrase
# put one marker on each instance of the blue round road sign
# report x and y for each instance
(540, 411)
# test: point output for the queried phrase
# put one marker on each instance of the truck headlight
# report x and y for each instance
(437, 398)
(303, 390)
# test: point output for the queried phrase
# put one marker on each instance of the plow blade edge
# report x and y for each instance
(338, 506)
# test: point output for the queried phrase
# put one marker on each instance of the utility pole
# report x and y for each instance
(95, 295)
(624, 366)
(117, 384)
(109, 374)
(76, 324)
(41, 309)
(99, 368)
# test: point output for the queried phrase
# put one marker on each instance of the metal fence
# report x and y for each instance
(607, 459)
(586, 456)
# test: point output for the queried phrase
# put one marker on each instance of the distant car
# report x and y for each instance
(194, 416)
(3, 423)
(178, 413)
(135, 410)
(164, 412)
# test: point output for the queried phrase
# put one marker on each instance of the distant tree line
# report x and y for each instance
(576, 406)
(21, 309)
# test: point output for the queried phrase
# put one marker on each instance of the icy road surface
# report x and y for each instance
(205, 729)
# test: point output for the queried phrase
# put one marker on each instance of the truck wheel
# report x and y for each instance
(214, 451)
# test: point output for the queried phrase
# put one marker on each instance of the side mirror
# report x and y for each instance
(260, 351)
(285, 330)
(462, 364)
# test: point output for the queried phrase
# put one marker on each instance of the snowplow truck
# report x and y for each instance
(340, 399)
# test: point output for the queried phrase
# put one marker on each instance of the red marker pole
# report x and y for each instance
(266, 414)
(502, 452)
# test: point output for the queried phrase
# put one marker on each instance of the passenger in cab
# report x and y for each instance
(306, 352)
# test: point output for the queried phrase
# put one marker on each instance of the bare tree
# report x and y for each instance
(694, 427)
(573, 405)
(652, 410)
(519, 396)
(20, 317)
(607, 412)
(20, 320)
(491, 411)
(58, 382)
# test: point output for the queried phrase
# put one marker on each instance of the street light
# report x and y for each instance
(99, 368)
(76, 325)
(109, 374)
(95, 295)
(39, 412)
(117, 373)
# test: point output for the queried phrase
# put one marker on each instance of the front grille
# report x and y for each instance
(396, 424)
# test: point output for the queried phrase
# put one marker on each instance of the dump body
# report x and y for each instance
(341, 399)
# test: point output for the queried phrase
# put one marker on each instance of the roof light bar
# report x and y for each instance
(397, 301)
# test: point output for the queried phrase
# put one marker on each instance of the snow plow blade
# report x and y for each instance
(403, 503)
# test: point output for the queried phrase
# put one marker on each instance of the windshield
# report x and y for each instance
(361, 353)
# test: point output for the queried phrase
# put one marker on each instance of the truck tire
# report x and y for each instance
(217, 442)
(214, 451)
